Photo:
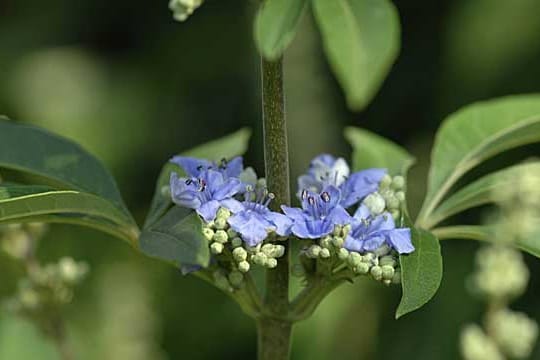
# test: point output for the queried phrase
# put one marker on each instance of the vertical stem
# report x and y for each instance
(275, 333)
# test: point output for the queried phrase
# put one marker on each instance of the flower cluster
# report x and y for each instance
(182, 9)
(238, 224)
(242, 230)
(366, 242)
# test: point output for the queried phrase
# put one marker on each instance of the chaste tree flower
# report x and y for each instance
(369, 232)
(319, 215)
(327, 170)
(206, 192)
(194, 166)
(255, 219)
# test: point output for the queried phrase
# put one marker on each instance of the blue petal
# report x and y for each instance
(353, 244)
(250, 226)
(192, 166)
(333, 194)
(183, 194)
(308, 182)
(293, 213)
(400, 239)
(373, 242)
(339, 216)
(208, 210)
(385, 221)
(312, 229)
(359, 185)
(362, 213)
(283, 223)
(235, 167)
(228, 189)
(233, 205)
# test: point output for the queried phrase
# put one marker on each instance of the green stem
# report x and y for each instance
(274, 330)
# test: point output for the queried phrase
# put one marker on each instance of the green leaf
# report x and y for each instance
(481, 191)
(20, 203)
(421, 272)
(227, 147)
(373, 151)
(177, 237)
(530, 244)
(361, 40)
(34, 150)
(474, 134)
(275, 26)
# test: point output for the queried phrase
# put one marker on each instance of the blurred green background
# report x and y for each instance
(135, 87)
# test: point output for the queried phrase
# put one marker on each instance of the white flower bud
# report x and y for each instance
(216, 248)
(392, 203)
(220, 236)
(220, 223)
(325, 253)
(398, 182)
(268, 250)
(362, 268)
(354, 259)
(476, 345)
(387, 272)
(343, 254)
(279, 251)
(386, 181)
(271, 263)
(375, 203)
(337, 230)
(243, 266)
(397, 277)
(259, 259)
(388, 260)
(239, 254)
(376, 272)
(346, 230)
(313, 251)
(208, 233)
(515, 333)
(337, 241)
(326, 242)
(223, 213)
(400, 195)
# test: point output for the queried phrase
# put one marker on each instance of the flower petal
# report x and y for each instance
(400, 239)
(312, 229)
(229, 188)
(362, 213)
(250, 226)
(339, 216)
(184, 194)
(373, 242)
(283, 223)
(234, 167)
(361, 184)
(353, 244)
(233, 205)
(192, 166)
(385, 221)
(295, 214)
(209, 210)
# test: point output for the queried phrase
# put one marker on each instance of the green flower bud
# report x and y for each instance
(515, 333)
(236, 278)
(325, 253)
(243, 266)
(337, 241)
(476, 345)
(400, 195)
(239, 254)
(396, 214)
(326, 242)
(383, 250)
(223, 213)
(387, 260)
(368, 257)
(259, 259)
(375, 203)
(362, 268)
(208, 233)
(236, 242)
(343, 254)
(268, 250)
(220, 223)
(271, 263)
(392, 203)
(354, 259)
(70, 271)
(346, 230)
(397, 277)
(211, 225)
(231, 233)
(388, 272)
(376, 272)
(337, 230)
(313, 251)
(216, 248)
(221, 281)
(386, 181)
(279, 251)
(398, 182)
(220, 236)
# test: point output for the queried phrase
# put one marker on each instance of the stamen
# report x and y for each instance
(189, 182)
(270, 197)
(304, 194)
(223, 163)
(200, 167)
(325, 197)
(202, 185)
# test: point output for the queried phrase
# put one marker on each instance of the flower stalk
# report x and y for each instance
(274, 331)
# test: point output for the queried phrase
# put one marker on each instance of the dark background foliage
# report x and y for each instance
(134, 87)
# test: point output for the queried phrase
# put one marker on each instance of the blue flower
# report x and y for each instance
(326, 170)
(370, 232)
(206, 193)
(194, 166)
(319, 214)
(255, 220)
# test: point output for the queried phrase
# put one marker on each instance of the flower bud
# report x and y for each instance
(375, 203)
(362, 268)
(259, 259)
(398, 182)
(326, 242)
(279, 251)
(400, 195)
(216, 248)
(387, 260)
(337, 230)
(313, 251)
(268, 250)
(386, 181)
(476, 345)
(223, 213)
(392, 202)
(221, 281)
(271, 263)
(239, 254)
(346, 230)
(515, 333)
(236, 242)
(387, 272)
(383, 250)
(368, 257)
(343, 254)
(243, 266)
(208, 233)
(354, 259)
(220, 236)
(220, 223)
(337, 241)
(231, 233)
(376, 272)
(396, 279)
(396, 214)
(325, 253)
(236, 278)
